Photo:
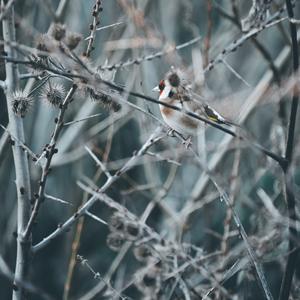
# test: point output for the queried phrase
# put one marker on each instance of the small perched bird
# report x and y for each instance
(174, 90)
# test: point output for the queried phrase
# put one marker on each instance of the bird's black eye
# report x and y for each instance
(161, 85)
(171, 94)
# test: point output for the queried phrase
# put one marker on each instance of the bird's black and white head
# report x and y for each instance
(168, 86)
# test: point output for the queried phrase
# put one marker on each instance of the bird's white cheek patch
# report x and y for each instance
(165, 93)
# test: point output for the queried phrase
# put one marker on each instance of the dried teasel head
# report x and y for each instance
(21, 103)
(53, 93)
(57, 31)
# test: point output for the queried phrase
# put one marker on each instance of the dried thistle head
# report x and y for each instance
(53, 93)
(21, 103)
(58, 31)
(72, 39)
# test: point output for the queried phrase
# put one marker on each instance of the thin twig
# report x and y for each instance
(95, 217)
(82, 119)
(209, 31)
(98, 162)
(5, 9)
(138, 60)
(49, 152)
(20, 143)
(224, 196)
(110, 26)
(278, 158)
(57, 199)
(289, 193)
(93, 27)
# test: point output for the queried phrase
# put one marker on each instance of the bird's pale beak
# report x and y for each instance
(156, 89)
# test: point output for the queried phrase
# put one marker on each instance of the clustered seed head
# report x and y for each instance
(54, 94)
(48, 42)
(21, 103)
(155, 254)
(58, 31)
(72, 40)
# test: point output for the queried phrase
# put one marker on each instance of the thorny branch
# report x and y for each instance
(278, 158)
(93, 27)
(49, 151)
(154, 138)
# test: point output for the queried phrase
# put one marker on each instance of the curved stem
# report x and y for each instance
(290, 197)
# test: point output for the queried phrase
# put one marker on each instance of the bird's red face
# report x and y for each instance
(161, 86)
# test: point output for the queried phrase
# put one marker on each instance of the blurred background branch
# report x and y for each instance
(100, 198)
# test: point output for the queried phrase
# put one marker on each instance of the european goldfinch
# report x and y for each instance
(175, 91)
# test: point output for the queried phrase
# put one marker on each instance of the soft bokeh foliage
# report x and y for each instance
(252, 86)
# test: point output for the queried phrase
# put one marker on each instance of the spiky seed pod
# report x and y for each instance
(104, 99)
(58, 31)
(115, 241)
(116, 222)
(21, 103)
(142, 252)
(132, 230)
(53, 93)
(72, 40)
